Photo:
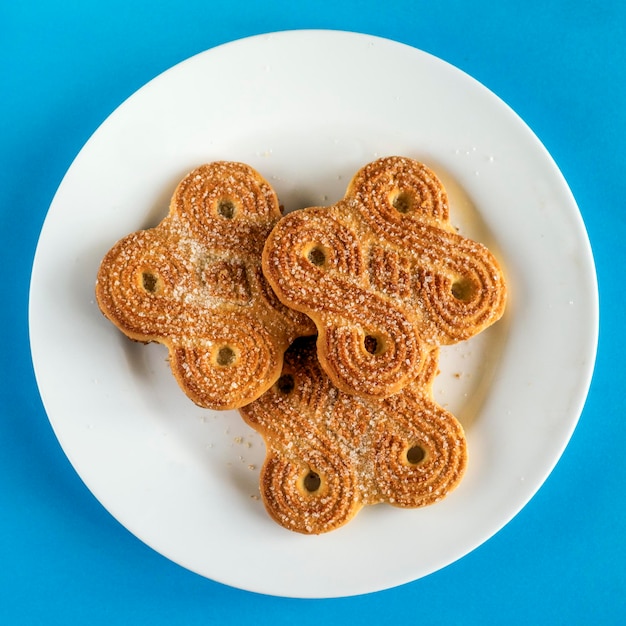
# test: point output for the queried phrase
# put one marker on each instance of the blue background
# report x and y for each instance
(65, 66)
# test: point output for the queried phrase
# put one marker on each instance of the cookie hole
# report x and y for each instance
(226, 356)
(373, 344)
(285, 384)
(149, 282)
(316, 256)
(403, 202)
(312, 482)
(415, 455)
(226, 209)
(463, 289)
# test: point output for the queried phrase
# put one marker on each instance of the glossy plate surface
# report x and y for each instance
(307, 109)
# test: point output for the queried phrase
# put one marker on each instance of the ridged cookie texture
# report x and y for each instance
(329, 453)
(194, 283)
(384, 275)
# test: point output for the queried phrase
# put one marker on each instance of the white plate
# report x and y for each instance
(307, 109)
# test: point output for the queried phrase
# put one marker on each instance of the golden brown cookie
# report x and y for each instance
(194, 283)
(384, 276)
(329, 453)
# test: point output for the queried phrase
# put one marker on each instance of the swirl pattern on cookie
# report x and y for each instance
(330, 453)
(384, 276)
(194, 283)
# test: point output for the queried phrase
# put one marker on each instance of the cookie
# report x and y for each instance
(384, 276)
(329, 453)
(194, 283)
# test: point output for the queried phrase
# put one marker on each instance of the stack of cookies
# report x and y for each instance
(322, 327)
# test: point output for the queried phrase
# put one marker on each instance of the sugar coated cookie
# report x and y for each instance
(194, 283)
(384, 276)
(330, 453)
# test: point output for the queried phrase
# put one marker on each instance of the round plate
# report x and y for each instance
(307, 109)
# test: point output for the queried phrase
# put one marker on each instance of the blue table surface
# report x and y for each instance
(65, 66)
